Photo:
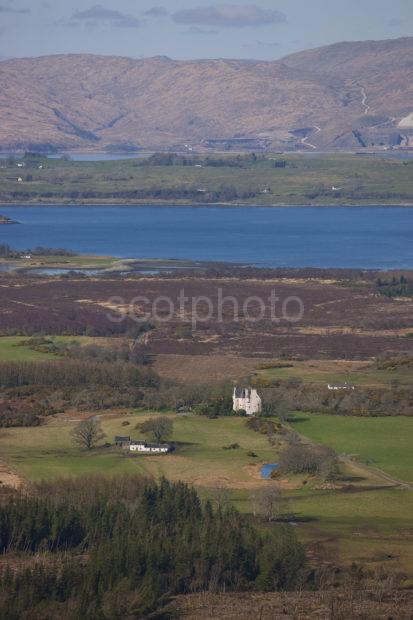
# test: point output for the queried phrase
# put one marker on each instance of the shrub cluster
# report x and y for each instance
(299, 458)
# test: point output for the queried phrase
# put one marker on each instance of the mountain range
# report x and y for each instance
(344, 96)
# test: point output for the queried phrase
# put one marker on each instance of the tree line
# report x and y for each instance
(33, 390)
(223, 193)
(395, 287)
(76, 373)
(174, 159)
(287, 396)
(7, 252)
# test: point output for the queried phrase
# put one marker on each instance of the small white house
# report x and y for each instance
(247, 399)
(149, 448)
(341, 386)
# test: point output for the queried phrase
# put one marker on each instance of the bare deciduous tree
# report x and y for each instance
(220, 496)
(87, 433)
(269, 502)
(159, 428)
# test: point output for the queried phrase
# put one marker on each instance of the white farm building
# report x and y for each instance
(142, 447)
(340, 386)
(149, 448)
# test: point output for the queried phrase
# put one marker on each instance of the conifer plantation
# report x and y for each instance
(112, 548)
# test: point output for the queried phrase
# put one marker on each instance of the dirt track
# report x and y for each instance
(378, 473)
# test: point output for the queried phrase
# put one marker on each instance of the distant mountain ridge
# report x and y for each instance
(343, 96)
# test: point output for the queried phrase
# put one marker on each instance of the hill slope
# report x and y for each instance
(340, 96)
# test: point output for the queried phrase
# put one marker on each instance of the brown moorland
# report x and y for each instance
(374, 603)
(341, 320)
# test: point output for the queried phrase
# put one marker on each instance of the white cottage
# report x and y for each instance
(248, 400)
(149, 448)
(340, 386)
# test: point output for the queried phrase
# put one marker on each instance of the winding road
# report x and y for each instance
(364, 100)
(304, 140)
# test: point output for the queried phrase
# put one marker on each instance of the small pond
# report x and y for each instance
(267, 469)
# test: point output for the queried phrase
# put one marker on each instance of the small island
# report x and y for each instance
(6, 220)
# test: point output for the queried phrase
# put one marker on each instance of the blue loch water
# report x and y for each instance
(352, 237)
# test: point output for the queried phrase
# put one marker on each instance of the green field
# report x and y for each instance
(362, 525)
(337, 371)
(75, 262)
(68, 263)
(383, 443)
(368, 523)
(47, 451)
(12, 351)
(369, 526)
(304, 180)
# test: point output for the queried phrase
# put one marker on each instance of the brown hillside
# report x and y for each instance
(340, 96)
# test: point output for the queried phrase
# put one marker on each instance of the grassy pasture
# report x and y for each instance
(304, 180)
(11, 349)
(338, 371)
(383, 443)
(372, 526)
(368, 523)
(200, 459)
(75, 262)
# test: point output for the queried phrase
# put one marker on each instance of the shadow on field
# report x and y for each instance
(292, 419)
(296, 518)
(351, 479)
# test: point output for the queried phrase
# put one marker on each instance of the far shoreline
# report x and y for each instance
(172, 204)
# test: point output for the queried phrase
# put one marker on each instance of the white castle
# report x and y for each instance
(248, 400)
